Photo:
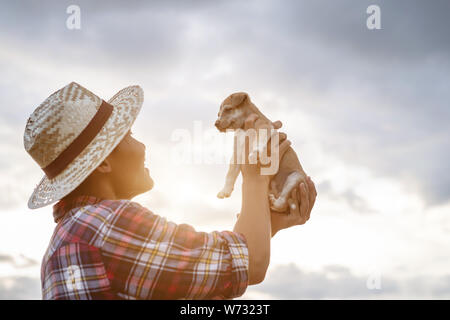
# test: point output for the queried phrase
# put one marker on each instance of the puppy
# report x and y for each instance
(232, 114)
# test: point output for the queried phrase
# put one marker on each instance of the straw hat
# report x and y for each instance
(72, 132)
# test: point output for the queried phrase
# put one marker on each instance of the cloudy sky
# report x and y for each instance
(367, 112)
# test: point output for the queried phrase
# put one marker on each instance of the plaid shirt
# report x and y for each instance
(117, 249)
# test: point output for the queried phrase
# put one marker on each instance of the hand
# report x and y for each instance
(252, 171)
(301, 213)
(277, 124)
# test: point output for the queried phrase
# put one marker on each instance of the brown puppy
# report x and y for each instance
(232, 114)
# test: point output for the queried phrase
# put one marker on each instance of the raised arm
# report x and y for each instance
(254, 220)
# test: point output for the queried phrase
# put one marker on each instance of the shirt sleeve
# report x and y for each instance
(148, 257)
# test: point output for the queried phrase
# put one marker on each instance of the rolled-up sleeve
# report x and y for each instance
(148, 257)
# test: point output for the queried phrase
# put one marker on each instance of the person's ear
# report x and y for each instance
(105, 166)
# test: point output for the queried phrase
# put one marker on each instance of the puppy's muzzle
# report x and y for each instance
(219, 126)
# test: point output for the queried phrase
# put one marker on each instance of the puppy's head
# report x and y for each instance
(233, 112)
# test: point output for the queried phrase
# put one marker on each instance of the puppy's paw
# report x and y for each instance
(272, 198)
(279, 204)
(225, 193)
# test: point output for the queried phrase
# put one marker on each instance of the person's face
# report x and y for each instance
(129, 175)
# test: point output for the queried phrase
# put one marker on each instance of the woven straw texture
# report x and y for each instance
(59, 120)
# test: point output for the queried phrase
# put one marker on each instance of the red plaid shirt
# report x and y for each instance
(117, 249)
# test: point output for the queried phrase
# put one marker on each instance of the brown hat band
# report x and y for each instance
(80, 142)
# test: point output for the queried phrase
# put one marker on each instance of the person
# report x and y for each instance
(106, 246)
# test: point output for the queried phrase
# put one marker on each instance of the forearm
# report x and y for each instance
(254, 224)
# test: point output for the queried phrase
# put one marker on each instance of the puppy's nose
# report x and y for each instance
(217, 123)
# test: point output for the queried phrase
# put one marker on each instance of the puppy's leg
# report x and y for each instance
(232, 174)
(233, 170)
(280, 204)
(273, 195)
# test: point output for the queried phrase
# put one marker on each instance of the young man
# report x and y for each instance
(106, 246)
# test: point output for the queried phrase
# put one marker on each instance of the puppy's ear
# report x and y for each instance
(238, 98)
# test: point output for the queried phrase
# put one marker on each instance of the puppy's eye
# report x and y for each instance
(227, 108)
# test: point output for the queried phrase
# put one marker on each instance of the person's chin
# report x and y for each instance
(143, 188)
(148, 181)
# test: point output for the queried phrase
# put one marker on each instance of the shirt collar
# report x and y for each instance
(66, 204)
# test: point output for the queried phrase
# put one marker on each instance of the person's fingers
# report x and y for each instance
(307, 193)
(294, 194)
(278, 149)
(284, 146)
(281, 137)
(277, 124)
(293, 207)
(250, 121)
(294, 212)
(295, 200)
(312, 195)
(274, 188)
(278, 152)
(249, 124)
(267, 147)
(304, 202)
(312, 188)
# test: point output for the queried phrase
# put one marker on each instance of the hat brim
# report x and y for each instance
(127, 103)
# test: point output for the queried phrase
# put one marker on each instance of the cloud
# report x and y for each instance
(366, 99)
(356, 202)
(339, 282)
(20, 288)
(289, 282)
(21, 261)
(378, 97)
(18, 172)
(6, 258)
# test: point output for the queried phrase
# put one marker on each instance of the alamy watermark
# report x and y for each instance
(373, 22)
(73, 21)
(210, 147)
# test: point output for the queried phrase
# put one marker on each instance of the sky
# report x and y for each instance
(366, 111)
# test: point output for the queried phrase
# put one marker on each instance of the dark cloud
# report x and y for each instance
(410, 29)
(26, 262)
(339, 282)
(355, 201)
(383, 94)
(289, 282)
